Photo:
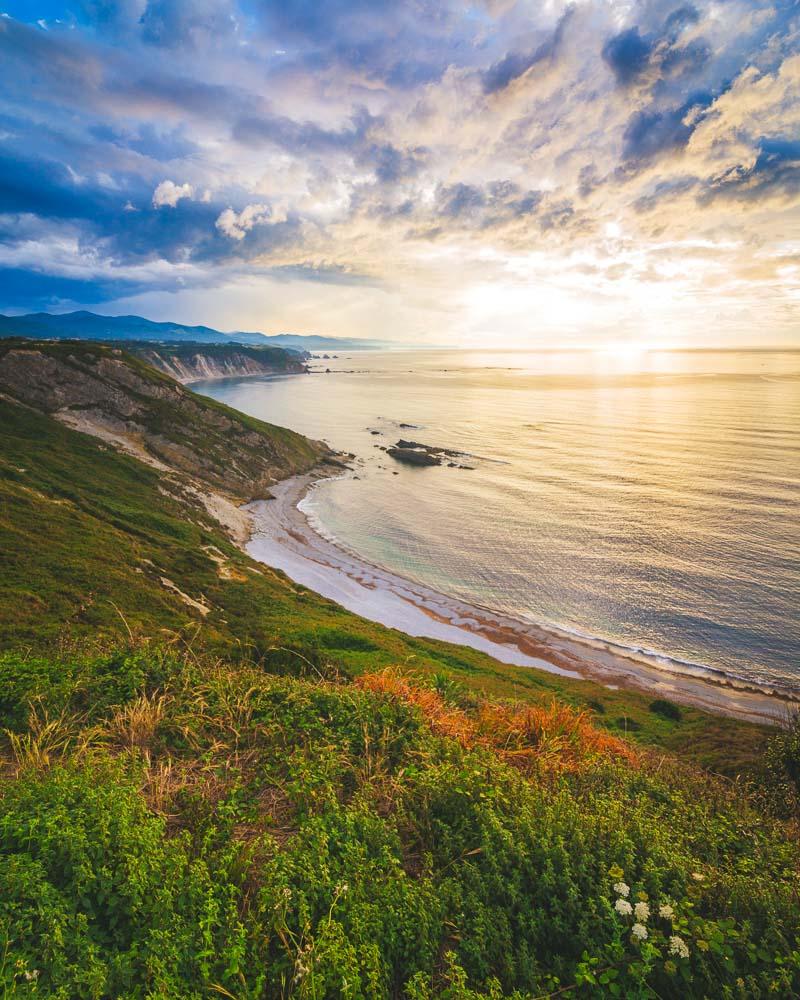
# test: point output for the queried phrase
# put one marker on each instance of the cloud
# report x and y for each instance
(515, 64)
(627, 54)
(649, 133)
(421, 146)
(192, 23)
(237, 225)
(168, 193)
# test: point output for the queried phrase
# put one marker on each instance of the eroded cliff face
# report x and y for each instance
(106, 392)
(193, 366)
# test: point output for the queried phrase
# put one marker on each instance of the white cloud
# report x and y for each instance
(237, 224)
(169, 193)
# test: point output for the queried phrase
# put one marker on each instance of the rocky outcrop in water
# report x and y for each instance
(413, 456)
(415, 453)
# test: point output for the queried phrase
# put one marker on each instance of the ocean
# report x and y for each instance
(649, 500)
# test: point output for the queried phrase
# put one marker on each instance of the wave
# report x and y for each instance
(674, 664)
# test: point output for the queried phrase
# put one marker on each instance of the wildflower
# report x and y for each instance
(666, 912)
(642, 912)
(623, 907)
(698, 876)
(639, 931)
(621, 889)
(32, 976)
(677, 946)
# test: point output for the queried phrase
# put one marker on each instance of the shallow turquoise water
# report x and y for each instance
(649, 500)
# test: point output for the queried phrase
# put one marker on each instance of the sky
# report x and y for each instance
(530, 174)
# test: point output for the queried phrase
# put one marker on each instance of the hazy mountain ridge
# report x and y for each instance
(84, 325)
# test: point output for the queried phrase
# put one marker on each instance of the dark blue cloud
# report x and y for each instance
(515, 64)
(775, 171)
(398, 42)
(47, 189)
(557, 215)
(650, 133)
(627, 54)
(631, 54)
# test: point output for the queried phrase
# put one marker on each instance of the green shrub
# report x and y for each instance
(782, 768)
(667, 709)
(95, 900)
(322, 843)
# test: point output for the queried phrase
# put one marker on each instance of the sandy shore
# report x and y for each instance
(283, 538)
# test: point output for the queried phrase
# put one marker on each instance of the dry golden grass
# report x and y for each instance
(556, 734)
(47, 739)
(134, 726)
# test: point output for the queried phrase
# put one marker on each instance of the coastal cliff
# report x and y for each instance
(118, 397)
(192, 363)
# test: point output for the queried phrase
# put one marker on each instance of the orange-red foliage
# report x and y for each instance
(556, 734)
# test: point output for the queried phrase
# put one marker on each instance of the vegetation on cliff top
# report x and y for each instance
(214, 782)
(121, 397)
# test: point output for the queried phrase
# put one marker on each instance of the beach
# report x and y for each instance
(283, 538)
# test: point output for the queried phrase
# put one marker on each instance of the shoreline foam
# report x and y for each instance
(285, 538)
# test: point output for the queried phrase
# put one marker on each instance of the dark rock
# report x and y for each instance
(413, 456)
(432, 449)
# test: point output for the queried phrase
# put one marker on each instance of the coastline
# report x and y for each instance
(282, 537)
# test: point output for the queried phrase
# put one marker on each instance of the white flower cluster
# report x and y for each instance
(677, 946)
(641, 914)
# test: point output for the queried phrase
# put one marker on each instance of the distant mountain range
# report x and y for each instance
(91, 326)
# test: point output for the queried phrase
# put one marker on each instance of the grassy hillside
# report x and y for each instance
(123, 399)
(214, 782)
(113, 533)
